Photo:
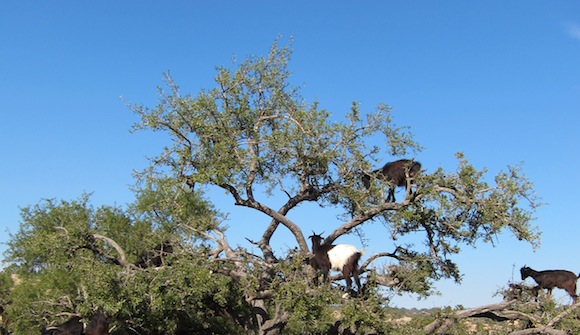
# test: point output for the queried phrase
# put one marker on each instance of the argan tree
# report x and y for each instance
(253, 136)
(72, 259)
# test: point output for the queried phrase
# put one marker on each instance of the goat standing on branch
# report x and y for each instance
(397, 173)
(549, 279)
(339, 257)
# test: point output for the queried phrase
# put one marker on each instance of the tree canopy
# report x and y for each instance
(253, 136)
(254, 130)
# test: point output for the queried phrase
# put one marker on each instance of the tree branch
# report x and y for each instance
(548, 328)
(368, 215)
(122, 260)
(381, 254)
(440, 326)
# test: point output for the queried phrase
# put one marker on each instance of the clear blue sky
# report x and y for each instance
(497, 80)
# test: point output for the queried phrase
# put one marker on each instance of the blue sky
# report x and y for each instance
(496, 80)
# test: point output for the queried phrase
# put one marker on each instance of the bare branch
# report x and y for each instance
(440, 326)
(122, 260)
(381, 254)
(368, 215)
(548, 328)
(543, 330)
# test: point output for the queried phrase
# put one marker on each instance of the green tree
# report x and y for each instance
(70, 258)
(253, 136)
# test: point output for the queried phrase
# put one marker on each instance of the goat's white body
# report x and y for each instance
(340, 254)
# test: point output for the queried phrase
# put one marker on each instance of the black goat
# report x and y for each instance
(156, 256)
(339, 257)
(98, 325)
(548, 279)
(3, 321)
(72, 326)
(395, 173)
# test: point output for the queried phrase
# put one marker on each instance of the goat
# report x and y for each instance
(72, 326)
(3, 321)
(395, 173)
(339, 257)
(156, 256)
(548, 279)
(98, 325)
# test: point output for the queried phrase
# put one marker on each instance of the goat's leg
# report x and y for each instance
(316, 279)
(346, 275)
(357, 280)
(572, 294)
(391, 196)
(549, 294)
(535, 291)
(408, 186)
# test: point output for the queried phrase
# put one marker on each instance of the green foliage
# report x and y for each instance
(173, 208)
(366, 315)
(62, 268)
(254, 136)
(461, 208)
(310, 309)
(253, 127)
(188, 295)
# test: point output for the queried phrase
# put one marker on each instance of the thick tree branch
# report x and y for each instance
(294, 228)
(441, 326)
(381, 254)
(501, 312)
(362, 218)
(307, 193)
(549, 327)
(122, 260)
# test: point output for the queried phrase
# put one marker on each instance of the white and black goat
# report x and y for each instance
(548, 279)
(339, 257)
(396, 174)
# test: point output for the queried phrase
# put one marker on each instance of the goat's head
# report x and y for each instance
(316, 239)
(525, 272)
(366, 180)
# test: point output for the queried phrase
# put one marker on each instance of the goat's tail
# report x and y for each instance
(362, 252)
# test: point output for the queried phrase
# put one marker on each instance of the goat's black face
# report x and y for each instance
(315, 236)
(366, 179)
(525, 272)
